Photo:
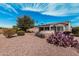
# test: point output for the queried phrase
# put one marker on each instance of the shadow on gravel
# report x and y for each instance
(77, 48)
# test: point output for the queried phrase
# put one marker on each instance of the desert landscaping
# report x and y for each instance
(24, 39)
(30, 45)
(39, 29)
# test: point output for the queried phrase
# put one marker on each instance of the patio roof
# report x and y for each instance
(64, 23)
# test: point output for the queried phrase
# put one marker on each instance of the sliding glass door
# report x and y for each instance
(59, 28)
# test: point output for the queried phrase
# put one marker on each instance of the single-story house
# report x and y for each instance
(55, 27)
(34, 29)
(52, 27)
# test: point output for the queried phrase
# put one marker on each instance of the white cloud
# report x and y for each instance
(64, 9)
(8, 8)
(32, 9)
(56, 13)
(3, 12)
(54, 9)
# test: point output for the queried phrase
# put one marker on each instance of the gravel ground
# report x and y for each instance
(30, 45)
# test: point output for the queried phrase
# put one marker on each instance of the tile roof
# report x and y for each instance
(64, 23)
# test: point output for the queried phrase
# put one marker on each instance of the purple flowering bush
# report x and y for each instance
(62, 39)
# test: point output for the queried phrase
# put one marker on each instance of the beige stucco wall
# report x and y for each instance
(35, 29)
(63, 25)
(45, 32)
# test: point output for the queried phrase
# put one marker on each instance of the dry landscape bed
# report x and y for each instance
(30, 45)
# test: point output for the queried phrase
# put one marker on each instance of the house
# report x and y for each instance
(55, 27)
(34, 29)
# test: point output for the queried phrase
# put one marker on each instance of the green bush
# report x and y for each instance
(75, 31)
(38, 34)
(66, 32)
(77, 35)
(9, 33)
(29, 31)
(20, 33)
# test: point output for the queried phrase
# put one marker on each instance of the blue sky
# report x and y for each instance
(41, 13)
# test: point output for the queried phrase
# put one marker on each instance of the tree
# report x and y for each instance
(15, 27)
(25, 23)
(0, 27)
(75, 30)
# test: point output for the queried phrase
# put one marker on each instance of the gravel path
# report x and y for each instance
(29, 45)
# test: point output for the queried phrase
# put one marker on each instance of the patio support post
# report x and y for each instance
(49, 28)
(64, 28)
(69, 27)
(43, 28)
(55, 28)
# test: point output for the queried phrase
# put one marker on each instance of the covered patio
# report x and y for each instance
(58, 27)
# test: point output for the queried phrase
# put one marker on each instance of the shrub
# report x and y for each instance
(66, 32)
(29, 31)
(75, 31)
(62, 39)
(77, 35)
(20, 33)
(38, 34)
(9, 33)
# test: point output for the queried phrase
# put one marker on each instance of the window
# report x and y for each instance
(46, 28)
(59, 28)
(40, 28)
(66, 27)
(52, 28)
